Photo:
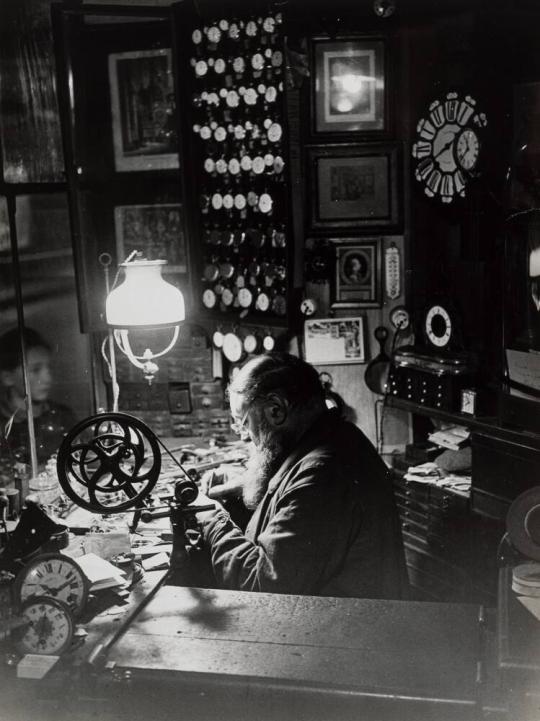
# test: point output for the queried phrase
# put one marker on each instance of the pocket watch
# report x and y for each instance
(233, 348)
(49, 627)
(56, 576)
(448, 146)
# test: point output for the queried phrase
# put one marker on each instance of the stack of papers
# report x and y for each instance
(100, 573)
(453, 438)
(431, 473)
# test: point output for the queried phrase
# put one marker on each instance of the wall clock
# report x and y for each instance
(448, 147)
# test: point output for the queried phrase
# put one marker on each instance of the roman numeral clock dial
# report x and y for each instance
(448, 147)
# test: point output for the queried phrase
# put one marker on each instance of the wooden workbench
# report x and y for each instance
(212, 654)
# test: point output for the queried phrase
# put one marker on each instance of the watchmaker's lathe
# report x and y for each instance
(110, 463)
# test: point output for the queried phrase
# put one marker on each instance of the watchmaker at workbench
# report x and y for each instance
(324, 520)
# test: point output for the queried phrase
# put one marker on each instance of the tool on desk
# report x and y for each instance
(110, 463)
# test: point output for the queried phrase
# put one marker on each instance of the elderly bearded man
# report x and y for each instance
(324, 520)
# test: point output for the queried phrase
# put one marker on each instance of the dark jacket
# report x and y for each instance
(326, 526)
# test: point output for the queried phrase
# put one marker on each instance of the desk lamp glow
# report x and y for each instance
(144, 301)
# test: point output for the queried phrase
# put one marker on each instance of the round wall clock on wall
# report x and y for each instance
(448, 147)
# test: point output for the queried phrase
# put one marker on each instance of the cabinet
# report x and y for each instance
(450, 552)
(450, 538)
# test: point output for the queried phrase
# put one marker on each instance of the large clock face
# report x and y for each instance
(438, 326)
(448, 147)
(48, 629)
(55, 576)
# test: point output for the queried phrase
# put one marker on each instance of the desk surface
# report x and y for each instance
(518, 631)
(426, 650)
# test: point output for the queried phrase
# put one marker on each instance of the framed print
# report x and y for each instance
(356, 280)
(334, 340)
(349, 86)
(155, 230)
(143, 110)
(353, 186)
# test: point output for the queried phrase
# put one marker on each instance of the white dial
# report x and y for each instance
(217, 339)
(56, 576)
(251, 343)
(209, 298)
(48, 629)
(467, 149)
(400, 318)
(232, 347)
(308, 307)
(438, 326)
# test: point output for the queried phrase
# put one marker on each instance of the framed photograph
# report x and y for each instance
(155, 230)
(356, 281)
(353, 186)
(143, 110)
(349, 85)
(334, 340)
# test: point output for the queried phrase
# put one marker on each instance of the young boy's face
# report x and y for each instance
(39, 376)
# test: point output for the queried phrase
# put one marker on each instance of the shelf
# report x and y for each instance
(484, 424)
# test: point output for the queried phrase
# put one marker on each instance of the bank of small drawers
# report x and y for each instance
(450, 553)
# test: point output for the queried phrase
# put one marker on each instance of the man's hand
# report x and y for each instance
(204, 517)
(222, 483)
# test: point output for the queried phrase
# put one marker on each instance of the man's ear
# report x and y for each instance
(276, 409)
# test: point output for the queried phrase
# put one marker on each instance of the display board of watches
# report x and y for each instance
(239, 144)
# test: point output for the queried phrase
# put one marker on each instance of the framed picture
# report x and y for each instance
(334, 340)
(143, 110)
(155, 230)
(356, 281)
(353, 186)
(349, 88)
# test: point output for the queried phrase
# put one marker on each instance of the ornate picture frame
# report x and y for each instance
(350, 88)
(156, 230)
(357, 278)
(143, 108)
(353, 186)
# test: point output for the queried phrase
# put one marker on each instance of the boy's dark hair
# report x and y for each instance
(295, 379)
(10, 346)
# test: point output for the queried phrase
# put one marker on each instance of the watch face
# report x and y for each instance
(232, 347)
(55, 576)
(438, 326)
(251, 343)
(49, 628)
(448, 147)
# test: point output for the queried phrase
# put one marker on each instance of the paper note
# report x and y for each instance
(523, 368)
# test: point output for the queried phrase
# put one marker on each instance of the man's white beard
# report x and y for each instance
(263, 462)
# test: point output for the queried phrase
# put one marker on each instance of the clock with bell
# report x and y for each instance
(448, 147)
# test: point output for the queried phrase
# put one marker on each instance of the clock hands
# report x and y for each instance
(445, 147)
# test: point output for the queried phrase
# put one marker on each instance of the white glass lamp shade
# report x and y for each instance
(144, 299)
